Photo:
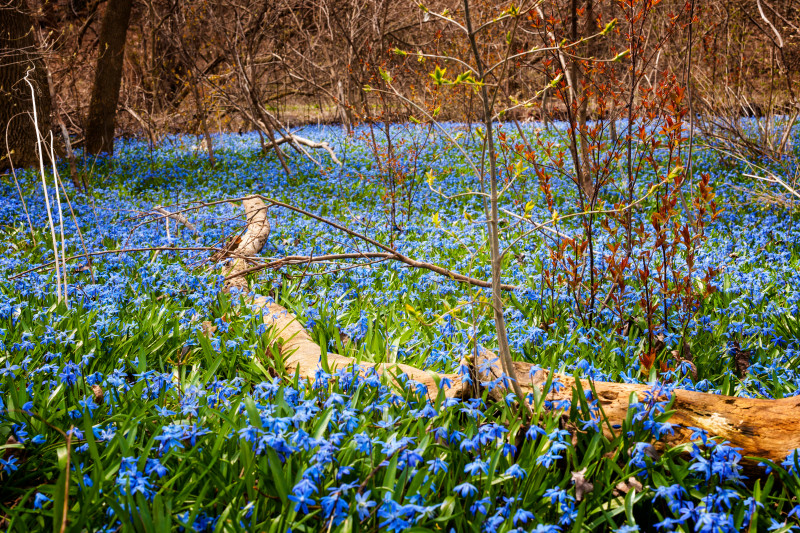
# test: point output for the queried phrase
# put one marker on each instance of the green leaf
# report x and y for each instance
(322, 424)
(629, 499)
(622, 55)
(277, 476)
(58, 501)
(464, 77)
(610, 26)
(438, 75)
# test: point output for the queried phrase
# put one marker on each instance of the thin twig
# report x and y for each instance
(44, 183)
(48, 266)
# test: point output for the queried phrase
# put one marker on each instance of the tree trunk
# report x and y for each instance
(19, 55)
(108, 78)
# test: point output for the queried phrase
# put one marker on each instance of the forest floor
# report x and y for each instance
(149, 398)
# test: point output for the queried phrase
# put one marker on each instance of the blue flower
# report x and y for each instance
(9, 465)
(516, 471)
(39, 500)
(669, 524)
(437, 465)
(535, 431)
(364, 504)
(792, 461)
(476, 467)
(164, 412)
(673, 494)
(393, 515)
(545, 528)
(69, 374)
(336, 506)
(9, 369)
(465, 489)
(154, 465)
(302, 501)
(480, 506)
(522, 516)
(556, 494)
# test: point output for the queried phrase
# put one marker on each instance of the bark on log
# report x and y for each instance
(762, 428)
(253, 240)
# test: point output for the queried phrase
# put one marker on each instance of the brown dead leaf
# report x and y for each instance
(182, 353)
(12, 451)
(686, 352)
(626, 327)
(649, 450)
(208, 328)
(741, 358)
(624, 487)
(690, 364)
(97, 391)
(658, 344)
(582, 486)
(684, 357)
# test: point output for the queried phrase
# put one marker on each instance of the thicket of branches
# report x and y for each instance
(210, 65)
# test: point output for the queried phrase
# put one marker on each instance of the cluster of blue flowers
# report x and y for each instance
(153, 399)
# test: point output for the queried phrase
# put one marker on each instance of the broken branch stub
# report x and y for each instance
(762, 428)
(177, 217)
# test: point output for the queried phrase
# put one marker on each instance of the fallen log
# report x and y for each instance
(763, 428)
(768, 429)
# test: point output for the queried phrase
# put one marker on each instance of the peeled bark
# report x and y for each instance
(108, 78)
(762, 428)
(19, 56)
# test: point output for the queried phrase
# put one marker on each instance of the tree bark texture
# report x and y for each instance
(760, 427)
(108, 78)
(19, 55)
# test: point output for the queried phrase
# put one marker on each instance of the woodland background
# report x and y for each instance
(157, 67)
(595, 193)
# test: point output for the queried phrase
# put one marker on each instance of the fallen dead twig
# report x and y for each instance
(51, 264)
(177, 218)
